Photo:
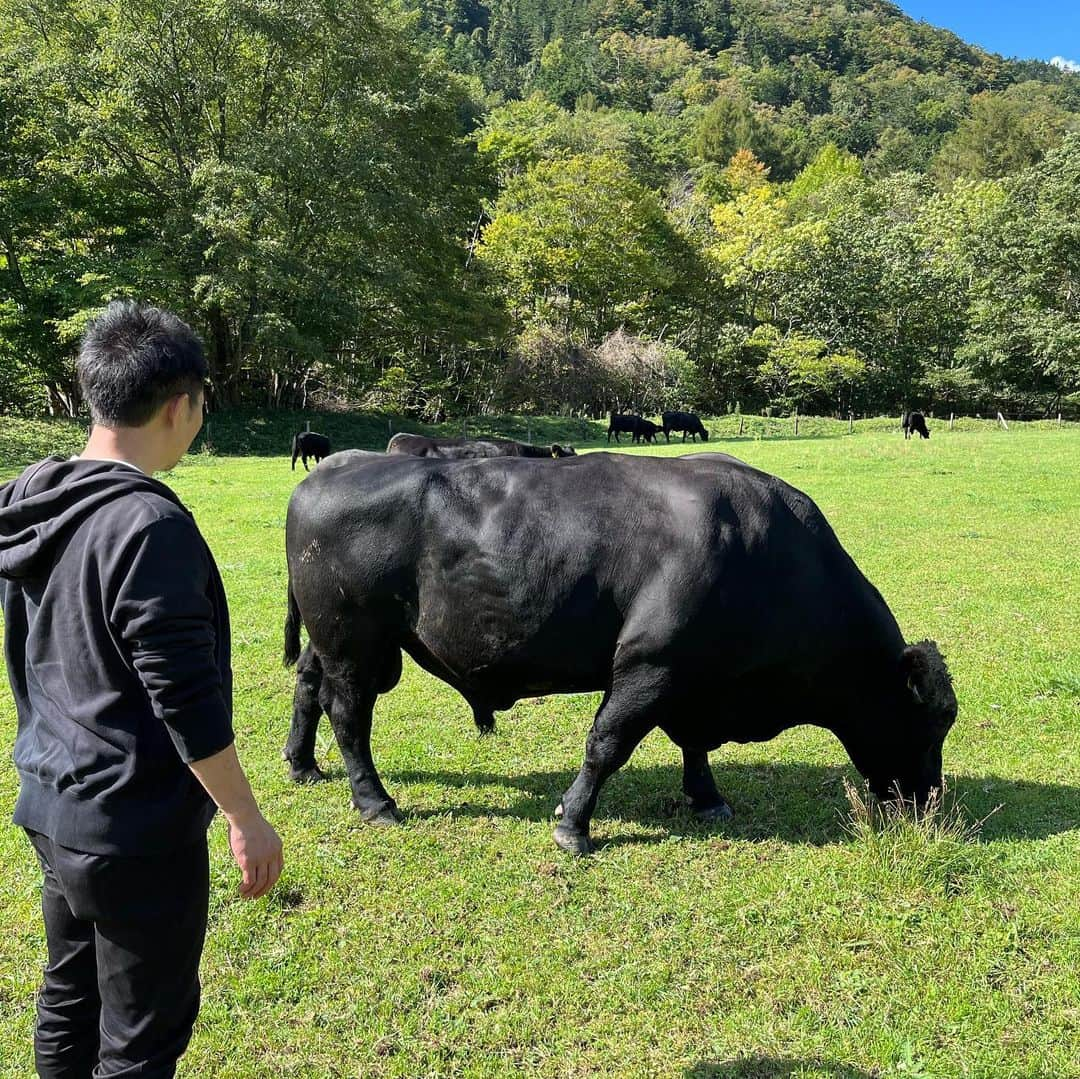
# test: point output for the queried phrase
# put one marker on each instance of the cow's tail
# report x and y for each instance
(292, 630)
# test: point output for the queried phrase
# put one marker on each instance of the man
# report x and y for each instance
(117, 647)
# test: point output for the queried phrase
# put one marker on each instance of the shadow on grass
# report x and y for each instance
(760, 1067)
(794, 802)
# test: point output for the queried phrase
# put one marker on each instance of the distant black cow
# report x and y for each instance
(504, 579)
(914, 421)
(307, 444)
(454, 449)
(647, 431)
(623, 424)
(686, 422)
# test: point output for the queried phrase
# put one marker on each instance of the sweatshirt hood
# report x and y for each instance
(41, 508)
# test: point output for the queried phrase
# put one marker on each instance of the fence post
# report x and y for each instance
(740, 426)
(307, 426)
(796, 421)
(465, 427)
(528, 432)
(1059, 419)
(389, 428)
(1001, 420)
(209, 439)
(851, 423)
(951, 417)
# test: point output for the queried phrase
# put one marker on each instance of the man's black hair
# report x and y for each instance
(133, 359)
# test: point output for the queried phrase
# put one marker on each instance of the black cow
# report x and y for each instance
(647, 431)
(914, 421)
(451, 449)
(686, 422)
(623, 424)
(729, 613)
(307, 444)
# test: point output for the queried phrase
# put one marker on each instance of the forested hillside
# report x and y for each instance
(543, 205)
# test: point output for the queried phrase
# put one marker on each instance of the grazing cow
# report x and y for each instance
(647, 431)
(503, 578)
(914, 421)
(452, 449)
(623, 424)
(686, 422)
(307, 444)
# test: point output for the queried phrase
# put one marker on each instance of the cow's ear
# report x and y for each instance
(913, 665)
(928, 679)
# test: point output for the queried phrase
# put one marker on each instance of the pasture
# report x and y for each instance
(776, 945)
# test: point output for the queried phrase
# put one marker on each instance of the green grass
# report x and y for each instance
(796, 940)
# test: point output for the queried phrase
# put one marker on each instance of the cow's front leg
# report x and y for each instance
(626, 716)
(299, 749)
(699, 787)
(350, 716)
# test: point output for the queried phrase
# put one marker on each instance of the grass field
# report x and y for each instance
(774, 946)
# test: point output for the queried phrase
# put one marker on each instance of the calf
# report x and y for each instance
(307, 444)
(914, 421)
(647, 431)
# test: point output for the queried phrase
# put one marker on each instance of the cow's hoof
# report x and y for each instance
(558, 811)
(573, 842)
(383, 815)
(711, 814)
(314, 774)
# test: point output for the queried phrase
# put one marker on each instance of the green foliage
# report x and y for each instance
(251, 164)
(580, 243)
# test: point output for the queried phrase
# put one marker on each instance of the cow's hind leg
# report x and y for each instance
(699, 787)
(299, 750)
(628, 713)
(354, 691)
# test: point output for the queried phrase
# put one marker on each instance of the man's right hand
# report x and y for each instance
(256, 847)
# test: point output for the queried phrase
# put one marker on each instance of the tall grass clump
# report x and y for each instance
(935, 846)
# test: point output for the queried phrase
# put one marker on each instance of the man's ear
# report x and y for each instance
(177, 409)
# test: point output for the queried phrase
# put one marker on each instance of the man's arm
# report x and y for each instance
(255, 845)
(166, 620)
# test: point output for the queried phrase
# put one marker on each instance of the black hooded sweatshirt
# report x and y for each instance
(116, 637)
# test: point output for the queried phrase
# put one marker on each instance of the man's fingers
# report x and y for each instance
(276, 866)
(247, 881)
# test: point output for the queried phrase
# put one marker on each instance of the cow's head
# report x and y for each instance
(562, 451)
(899, 752)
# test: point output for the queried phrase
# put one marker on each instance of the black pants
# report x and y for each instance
(121, 987)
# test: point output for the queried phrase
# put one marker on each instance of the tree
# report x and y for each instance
(580, 244)
(1004, 133)
(292, 180)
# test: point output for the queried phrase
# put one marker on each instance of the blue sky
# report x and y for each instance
(1030, 29)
